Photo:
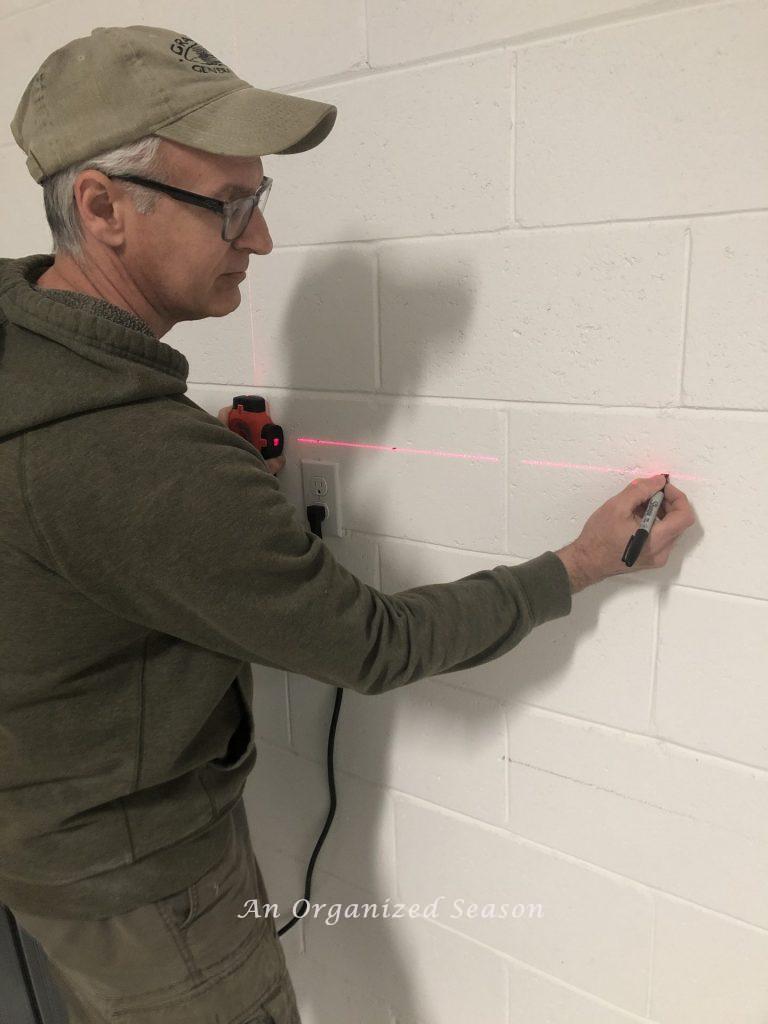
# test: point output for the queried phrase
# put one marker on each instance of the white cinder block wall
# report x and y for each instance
(536, 233)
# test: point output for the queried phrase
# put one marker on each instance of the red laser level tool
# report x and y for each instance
(249, 418)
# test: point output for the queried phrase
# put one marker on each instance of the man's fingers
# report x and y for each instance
(673, 496)
(639, 491)
(676, 521)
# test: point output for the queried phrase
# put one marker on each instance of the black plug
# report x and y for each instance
(316, 514)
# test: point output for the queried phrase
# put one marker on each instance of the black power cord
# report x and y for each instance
(316, 514)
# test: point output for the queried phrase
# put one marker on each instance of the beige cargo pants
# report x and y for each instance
(185, 959)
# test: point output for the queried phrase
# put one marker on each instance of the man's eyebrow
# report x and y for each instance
(234, 188)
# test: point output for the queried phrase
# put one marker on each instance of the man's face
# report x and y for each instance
(176, 255)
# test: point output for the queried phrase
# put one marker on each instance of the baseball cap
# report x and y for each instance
(105, 90)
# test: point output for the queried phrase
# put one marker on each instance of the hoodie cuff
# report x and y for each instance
(547, 586)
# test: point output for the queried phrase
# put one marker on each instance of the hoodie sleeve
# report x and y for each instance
(160, 514)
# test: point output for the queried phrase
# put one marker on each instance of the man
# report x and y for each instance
(148, 557)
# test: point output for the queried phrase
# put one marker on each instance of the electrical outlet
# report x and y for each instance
(320, 486)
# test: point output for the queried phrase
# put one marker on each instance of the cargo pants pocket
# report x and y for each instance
(203, 917)
(187, 958)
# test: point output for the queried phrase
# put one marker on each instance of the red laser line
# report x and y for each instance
(397, 448)
(635, 471)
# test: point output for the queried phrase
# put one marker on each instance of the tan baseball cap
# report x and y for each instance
(119, 84)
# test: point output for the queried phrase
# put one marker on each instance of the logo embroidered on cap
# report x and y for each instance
(200, 58)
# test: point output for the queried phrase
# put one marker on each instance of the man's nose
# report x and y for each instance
(256, 236)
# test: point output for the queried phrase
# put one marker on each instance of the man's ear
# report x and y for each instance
(97, 200)
(223, 414)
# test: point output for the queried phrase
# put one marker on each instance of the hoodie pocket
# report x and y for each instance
(242, 742)
(224, 778)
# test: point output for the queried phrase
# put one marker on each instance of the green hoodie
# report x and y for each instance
(147, 558)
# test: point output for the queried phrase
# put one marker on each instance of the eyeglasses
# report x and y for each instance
(236, 212)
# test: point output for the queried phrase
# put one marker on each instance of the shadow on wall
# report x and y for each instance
(382, 960)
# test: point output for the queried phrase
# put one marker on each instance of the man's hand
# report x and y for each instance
(273, 465)
(596, 552)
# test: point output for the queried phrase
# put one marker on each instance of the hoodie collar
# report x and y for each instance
(63, 358)
(79, 324)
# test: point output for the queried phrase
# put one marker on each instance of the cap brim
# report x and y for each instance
(253, 122)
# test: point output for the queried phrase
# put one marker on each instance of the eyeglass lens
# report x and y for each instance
(241, 214)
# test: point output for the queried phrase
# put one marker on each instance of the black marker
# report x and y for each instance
(639, 537)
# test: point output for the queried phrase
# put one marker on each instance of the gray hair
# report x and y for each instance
(143, 157)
